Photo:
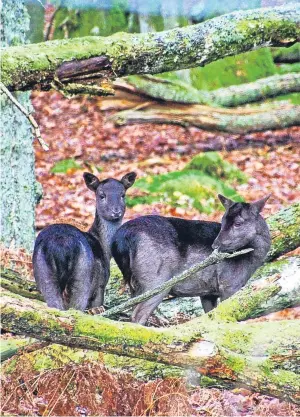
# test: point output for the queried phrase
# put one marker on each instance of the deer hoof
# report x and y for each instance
(96, 310)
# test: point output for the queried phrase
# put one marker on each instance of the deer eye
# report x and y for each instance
(238, 224)
(102, 196)
(123, 196)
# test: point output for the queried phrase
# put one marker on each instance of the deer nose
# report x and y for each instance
(116, 213)
(215, 245)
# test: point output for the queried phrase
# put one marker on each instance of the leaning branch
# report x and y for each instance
(100, 60)
(214, 258)
(29, 116)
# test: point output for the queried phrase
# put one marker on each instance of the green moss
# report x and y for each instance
(237, 341)
(287, 68)
(141, 369)
(197, 185)
(235, 363)
(280, 377)
(212, 163)
(10, 366)
(102, 331)
(269, 269)
(64, 165)
(238, 308)
(285, 230)
(56, 356)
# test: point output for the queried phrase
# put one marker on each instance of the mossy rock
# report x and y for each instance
(197, 185)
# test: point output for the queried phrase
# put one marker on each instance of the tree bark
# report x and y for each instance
(18, 184)
(178, 92)
(214, 344)
(236, 121)
(285, 231)
(32, 355)
(288, 272)
(57, 63)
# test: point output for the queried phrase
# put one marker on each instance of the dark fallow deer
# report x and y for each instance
(150, 250)
(71, 267)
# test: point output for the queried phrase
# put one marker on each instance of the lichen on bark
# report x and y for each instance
(197, 45)
(19, 187)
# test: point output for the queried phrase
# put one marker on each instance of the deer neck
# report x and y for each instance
(104, 230)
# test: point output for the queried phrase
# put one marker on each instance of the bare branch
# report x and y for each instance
(29, 116)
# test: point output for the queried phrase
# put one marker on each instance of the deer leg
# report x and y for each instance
(209, 302)
(143, 311)
(47, 283)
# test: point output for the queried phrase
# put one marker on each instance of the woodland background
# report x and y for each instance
(83, 135)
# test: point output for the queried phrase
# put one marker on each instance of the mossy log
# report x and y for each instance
(287, 55)
(178, 92)
(236, 121)
(56, 356)
(98, 59)
(285, 231)
(261, 356)
(14, 282)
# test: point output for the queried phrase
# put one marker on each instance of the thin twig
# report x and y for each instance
(215, 257)
(28, 115)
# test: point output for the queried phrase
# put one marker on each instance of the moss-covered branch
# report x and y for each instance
(237, 121)
(285, 231)
(98, 59)
(179, 92)
(215, 345)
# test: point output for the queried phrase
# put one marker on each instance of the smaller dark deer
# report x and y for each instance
(71, 267)
(150, 250)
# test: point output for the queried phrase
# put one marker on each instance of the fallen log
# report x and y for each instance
(97, 60)
(55, 356)
(237, 121)
(285, 231)
(179, 92)
(214, 344)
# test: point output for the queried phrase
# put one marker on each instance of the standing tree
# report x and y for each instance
(19, 186)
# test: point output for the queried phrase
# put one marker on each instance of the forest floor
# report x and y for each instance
(78, 129)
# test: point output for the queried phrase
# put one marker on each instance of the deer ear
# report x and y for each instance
(225, 201)
(91, 181)
(128, 179)
(258, 205)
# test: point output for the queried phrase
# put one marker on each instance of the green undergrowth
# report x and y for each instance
(197, 185)
(64, 165)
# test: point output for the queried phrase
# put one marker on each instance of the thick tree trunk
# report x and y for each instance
(215, 345)
(178, 92)
(57, 63)
(237, 121)
(18, 184)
